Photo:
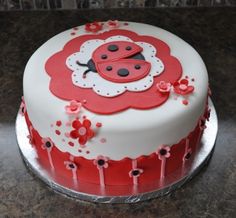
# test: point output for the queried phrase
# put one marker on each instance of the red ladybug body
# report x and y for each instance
(118, 61)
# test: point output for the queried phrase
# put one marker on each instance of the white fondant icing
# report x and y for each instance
(130, 133)
(102, 86)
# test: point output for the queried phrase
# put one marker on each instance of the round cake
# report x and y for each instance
(115, 103)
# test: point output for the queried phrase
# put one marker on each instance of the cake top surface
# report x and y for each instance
(112, 68)
(113, 72)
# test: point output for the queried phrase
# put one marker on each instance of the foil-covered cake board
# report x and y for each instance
(119, 194)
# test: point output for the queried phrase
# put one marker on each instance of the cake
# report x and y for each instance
(115, 103)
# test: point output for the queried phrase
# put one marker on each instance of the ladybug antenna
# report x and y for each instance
(83, 65)
(85, 72)
(80, 64)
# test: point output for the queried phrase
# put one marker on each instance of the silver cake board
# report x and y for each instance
(123, 194)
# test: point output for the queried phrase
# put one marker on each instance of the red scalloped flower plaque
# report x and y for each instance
(125, 65)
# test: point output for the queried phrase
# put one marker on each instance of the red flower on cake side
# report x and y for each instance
(61, 84)
(101, 162)
(82, 131)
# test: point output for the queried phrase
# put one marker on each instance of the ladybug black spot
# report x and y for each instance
(113, 48)
(123, 72)
(109, 68)
(104, 56)
(128, 48)
(137, 67)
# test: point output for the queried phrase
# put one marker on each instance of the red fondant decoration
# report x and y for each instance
(98, 124)
(113, 23)
(185, 102)
(61, 83)
(182, 87)
(57, 132)
(82, 131)
(93, 27)
(110, 70)
(71, 144)
(58, 123)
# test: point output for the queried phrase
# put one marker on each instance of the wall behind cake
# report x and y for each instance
(80, 4)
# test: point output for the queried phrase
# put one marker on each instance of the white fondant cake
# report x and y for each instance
(132, 111)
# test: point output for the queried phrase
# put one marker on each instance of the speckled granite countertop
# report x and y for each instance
(212, 193)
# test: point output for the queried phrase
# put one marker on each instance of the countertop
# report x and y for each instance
(212, 193)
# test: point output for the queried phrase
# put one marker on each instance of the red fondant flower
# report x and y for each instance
(93, 27)
(163, 152)
(163, 87)
(113, 23)
(70, 165)
(82, 131)
(101, 162)
(182, 87)
(135, 172)
(187, 154)
(73, 108)
(61, 84)
(47, 144)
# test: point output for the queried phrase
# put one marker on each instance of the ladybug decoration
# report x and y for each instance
(118, 61)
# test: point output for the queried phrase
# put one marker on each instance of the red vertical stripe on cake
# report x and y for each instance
(151, 166)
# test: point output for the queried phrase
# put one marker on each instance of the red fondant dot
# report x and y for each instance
(185, 102)
(193, 79)
(98, 124)
(87, 152)
(71, 144)
(58, 123)
(73, 33)
(126, 24)
(186, 77)
(58, 132)
(84, 117)
(79, 150)
(75, 28)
